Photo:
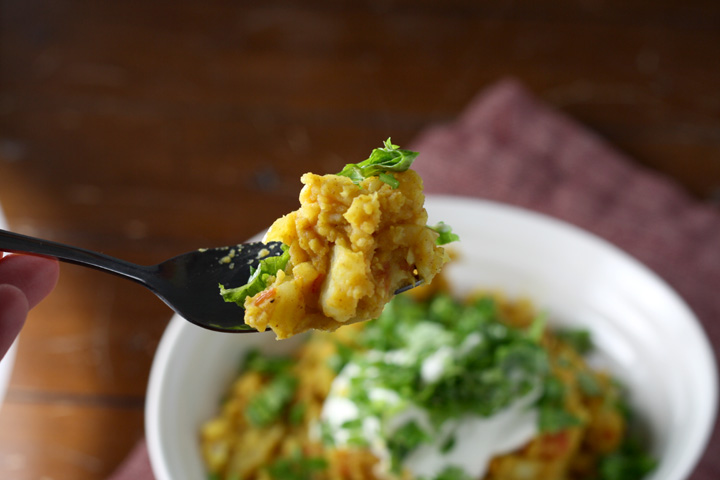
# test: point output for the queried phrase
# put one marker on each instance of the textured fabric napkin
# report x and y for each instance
(509, 147)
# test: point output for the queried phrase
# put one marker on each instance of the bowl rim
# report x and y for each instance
(178, 328)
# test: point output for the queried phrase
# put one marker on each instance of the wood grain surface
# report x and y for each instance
(145, 129)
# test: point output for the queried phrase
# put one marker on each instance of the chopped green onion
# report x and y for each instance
(445, 233)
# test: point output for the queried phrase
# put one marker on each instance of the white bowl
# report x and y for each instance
(6, 364)
(644, 332)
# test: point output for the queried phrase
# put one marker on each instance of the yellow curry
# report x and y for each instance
(352, 243)
(434, 389)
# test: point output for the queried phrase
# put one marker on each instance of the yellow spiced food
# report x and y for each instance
(436, 388)
(352, 243)
(351, 247)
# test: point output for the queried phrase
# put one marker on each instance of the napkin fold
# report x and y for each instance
(509, 147)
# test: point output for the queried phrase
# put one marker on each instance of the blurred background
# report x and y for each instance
(146, 129)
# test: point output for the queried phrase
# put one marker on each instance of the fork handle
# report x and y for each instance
(17, 243)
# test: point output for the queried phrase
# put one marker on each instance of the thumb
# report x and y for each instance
(13, 311)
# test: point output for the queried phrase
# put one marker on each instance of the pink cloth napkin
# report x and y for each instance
(509, 147)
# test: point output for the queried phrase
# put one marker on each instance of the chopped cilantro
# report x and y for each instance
(578, 339)
(588, 384)
(453, 473)
(503, 365)
(257, 362)
(356, 437)
(296, 467)
(268, 405)
(386, 333)
(554, 418)
(259, 278)
(389, 158)
(297, 413)
(404, 440)
(537, 328)
(326, 434)
(629, 462)
(553, 391)
(485, 366)
(552, 414)
(490, 366)
(342, 356)
(444, 309)
(448, 444)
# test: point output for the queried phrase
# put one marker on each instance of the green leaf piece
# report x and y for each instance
(269, 404)
(389, 158)
(445, 233)
(259, 278)
(296, 467)
(629, 462)
(578, 339)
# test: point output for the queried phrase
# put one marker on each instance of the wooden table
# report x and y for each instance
(146, 129)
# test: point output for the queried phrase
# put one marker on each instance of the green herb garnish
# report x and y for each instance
(448, 444)
(552, 414)
(485, 364)
(553, 418)
(503, 365)
(453, 473)
(482, 367)
(296, 467)
(404, 440)
(255, 361)
(259, 278)
(343, 354)
(389, 158)
(588, 384)
(445, 233)
(629, 462)
(297, 413)
(578, 339)
(269, 404)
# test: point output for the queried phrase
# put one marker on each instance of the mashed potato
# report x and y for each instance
(351, 245)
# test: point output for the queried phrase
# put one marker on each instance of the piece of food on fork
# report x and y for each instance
(358, 237)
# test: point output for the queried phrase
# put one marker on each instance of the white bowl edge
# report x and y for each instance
(699, 374)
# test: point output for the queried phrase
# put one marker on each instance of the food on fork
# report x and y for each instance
(357, 237)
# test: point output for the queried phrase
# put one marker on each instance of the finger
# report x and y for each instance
(34, 276)
(13, 311)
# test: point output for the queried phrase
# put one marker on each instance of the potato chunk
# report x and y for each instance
(347, 283)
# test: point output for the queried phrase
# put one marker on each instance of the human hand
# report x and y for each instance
(24, 281)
